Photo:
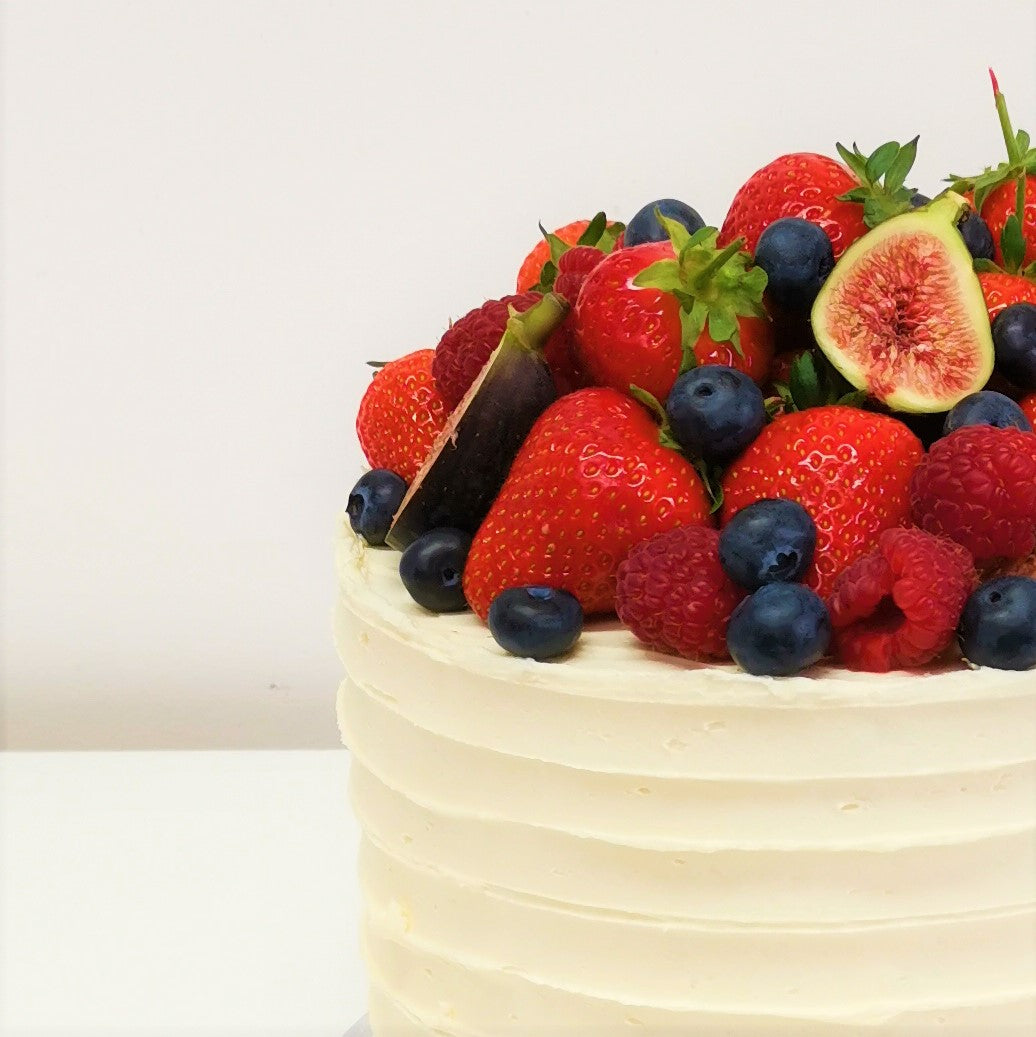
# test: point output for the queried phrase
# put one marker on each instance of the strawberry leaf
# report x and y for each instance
(881, 198)
(678, 233)
(881, 160)
(663, 275)
(712, 478)
(692, 324)
(594, 230)
(804, 382)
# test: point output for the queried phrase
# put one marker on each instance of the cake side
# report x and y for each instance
(632, 838)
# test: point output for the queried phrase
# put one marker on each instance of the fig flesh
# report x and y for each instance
(902, 314)
(469, 461)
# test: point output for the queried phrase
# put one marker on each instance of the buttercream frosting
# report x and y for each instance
(627, 841)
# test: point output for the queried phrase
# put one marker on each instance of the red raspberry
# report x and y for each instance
(574, 268)
(673, 594)
(978, 487)
(1028, 406)
(463, 351)
(899, 606)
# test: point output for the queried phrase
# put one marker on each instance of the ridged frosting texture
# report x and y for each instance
(625, 842)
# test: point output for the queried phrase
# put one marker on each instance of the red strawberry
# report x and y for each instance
(1028, 406)
(590, 481)
(899, 605)
(1000, 205)
(805, 185)
(401, 414)
(640, 306)
(1001, 289)
(598, 232)
(573, 268)
(996, 193)
(850, 469)
(673, 594)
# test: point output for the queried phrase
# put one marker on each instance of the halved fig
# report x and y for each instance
(902, 314)
(469, 461)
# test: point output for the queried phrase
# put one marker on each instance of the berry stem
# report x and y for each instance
(531, 328)
(1006, 128)
(705, 275)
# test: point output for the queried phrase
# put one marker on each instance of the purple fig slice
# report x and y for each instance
(902, 314)
(470, 460)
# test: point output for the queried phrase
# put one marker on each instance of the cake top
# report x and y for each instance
(802, 441)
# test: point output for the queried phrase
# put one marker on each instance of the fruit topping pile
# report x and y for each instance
(805, 436)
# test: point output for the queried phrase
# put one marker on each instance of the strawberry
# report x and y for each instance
(590, 482)
(647, 313)
(1002, 289)
(850, 469)
(803, 184)
(539, 267)
(1005, 197)
(844, 200)
(401, 414)
(1028, 406)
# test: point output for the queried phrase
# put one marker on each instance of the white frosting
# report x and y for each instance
(625, 840)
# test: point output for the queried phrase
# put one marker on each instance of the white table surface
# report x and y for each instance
(187, 893)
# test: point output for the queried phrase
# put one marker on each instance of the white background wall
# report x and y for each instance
(214, 212)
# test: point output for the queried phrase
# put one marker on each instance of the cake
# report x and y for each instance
(702, 696)
(628, 842)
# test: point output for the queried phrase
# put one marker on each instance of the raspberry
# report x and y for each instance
(673, 594)
(574, 267)
(899, 605)
(978, 487)
(463, 351)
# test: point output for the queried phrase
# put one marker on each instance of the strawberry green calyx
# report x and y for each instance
(813, 381)
(1021, 163)
(882, 175)
(713, 286)
(600, 234)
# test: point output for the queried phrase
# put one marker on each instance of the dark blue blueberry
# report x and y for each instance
(432, 568)
(770, 541)
(535, 622)
(998, 625)
(715, 411)
(917, 200)
(780, 629)
(977, 236)
(372, 503)
(986, 408)
(645, 226)
(1014, 339)
(797, 257)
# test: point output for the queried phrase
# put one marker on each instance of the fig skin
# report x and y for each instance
(472, 456)
(909, 283)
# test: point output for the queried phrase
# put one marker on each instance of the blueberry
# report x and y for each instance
(977, 236)
(917, 200)
(797, 257)
(998, 625)
(715, 411)
(372, 503)
(645, 226)
(770, 541)
(535, 622)
(432, 568)
(986, 408)
(1014, 339)
(780, 629)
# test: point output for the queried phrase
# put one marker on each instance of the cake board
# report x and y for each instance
(361, 1029)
